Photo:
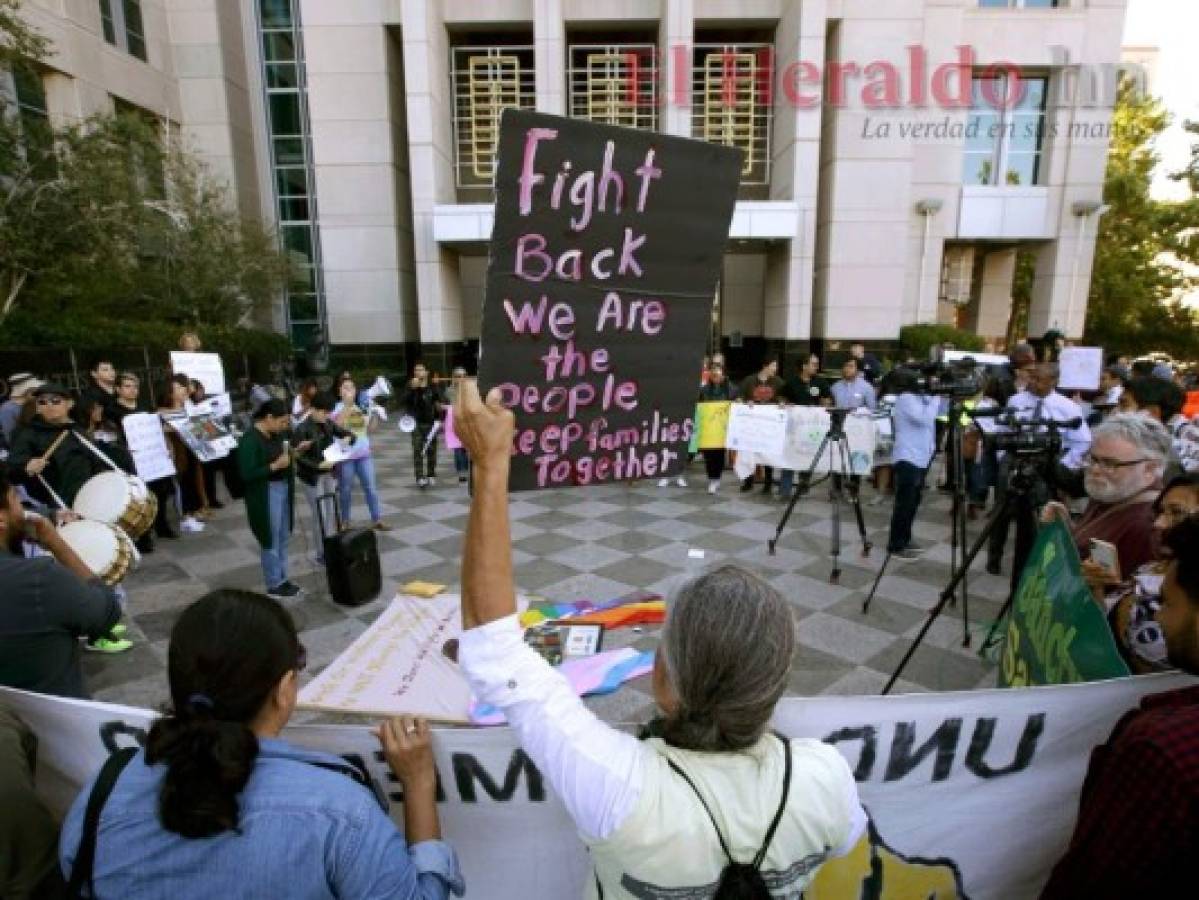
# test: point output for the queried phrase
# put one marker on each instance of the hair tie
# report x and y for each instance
(200, 701)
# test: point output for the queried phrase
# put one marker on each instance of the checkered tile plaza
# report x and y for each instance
(596, 543)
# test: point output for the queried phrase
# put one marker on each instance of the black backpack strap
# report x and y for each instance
(707, 809)
(85, 857)
(778, 816)
(761, 855)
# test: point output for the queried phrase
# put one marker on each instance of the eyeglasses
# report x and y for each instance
(301, 658)
(50, 401)
(1112, 465)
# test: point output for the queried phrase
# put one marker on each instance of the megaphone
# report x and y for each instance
(381, 388)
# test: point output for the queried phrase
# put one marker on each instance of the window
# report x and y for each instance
(110, 28)
(487, 80)
(23, 86)
(731, 102)
(123, 26)
(291, 159)
(135, 32)
(614, 84)
(1026, 4)
(1005, 131)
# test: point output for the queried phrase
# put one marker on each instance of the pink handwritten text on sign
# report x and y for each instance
(603, 265)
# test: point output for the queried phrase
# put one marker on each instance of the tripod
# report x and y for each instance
(958, 537)
(837, 442)
(1020, 503)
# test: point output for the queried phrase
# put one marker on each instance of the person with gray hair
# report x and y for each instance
(1122, 474)
(658, 814)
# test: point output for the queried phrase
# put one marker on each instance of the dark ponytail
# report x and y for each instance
(228, 652)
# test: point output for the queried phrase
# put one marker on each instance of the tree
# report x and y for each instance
(1133, 300)
(108, 224)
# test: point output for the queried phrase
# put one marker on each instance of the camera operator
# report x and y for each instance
(1039, 402)
(915, 416)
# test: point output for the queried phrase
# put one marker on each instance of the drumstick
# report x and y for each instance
(62, 436)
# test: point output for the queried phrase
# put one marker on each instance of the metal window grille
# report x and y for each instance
(486, 81)
(731, 102)
(614, 84)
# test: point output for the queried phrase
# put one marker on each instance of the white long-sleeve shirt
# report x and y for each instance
(599, 772)
(1075, 441)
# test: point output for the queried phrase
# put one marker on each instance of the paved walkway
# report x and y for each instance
(595, 543)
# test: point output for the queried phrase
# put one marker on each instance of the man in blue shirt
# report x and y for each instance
(852, 391)
(915, 418)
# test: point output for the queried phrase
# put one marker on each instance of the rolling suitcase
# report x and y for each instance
(351, 559)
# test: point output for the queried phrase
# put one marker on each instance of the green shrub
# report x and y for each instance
(916, 340)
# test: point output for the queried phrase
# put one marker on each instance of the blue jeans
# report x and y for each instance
(461, 460)
(274, 560)
(365, 470)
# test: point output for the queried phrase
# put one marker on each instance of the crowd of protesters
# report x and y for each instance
(213, 789)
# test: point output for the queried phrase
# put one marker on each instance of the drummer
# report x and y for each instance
(42, 458)
(49, 602)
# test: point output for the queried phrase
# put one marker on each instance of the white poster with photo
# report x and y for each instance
(970, 795)
(148, 446)
(805, 430)
(1080, 368)
(757, 429)
(206, 368)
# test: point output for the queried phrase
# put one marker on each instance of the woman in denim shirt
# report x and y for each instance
(216, 805)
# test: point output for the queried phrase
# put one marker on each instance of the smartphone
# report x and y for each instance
(1105, 554)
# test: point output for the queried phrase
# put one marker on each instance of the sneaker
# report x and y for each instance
(907, 553)
(422, 483)
(382, 526)
(284, 591)
(108, 645)
(190, 525)
(713, 487)
(118, 630)
(663, 482)
(432, 481)
(747, 485)
(681, 481)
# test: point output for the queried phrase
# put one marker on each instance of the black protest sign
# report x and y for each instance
(604, 260)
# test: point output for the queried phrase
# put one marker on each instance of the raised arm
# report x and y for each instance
(486, 430)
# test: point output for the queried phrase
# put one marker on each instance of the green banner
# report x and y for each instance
(1057, 634)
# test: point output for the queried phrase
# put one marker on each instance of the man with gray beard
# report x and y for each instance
(1122, 473)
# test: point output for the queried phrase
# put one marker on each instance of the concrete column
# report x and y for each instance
(209, 49)
(676, 37)
(431, 151)
(351, 109)
(991, 308)
(549, 43)
(1062, 282)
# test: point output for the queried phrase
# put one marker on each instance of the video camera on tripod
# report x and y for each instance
(959, 380)
(1024, 438)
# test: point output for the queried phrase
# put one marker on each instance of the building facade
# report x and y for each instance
(899, 154)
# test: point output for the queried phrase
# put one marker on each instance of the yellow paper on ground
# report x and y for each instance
(713, 424)
(425, 589)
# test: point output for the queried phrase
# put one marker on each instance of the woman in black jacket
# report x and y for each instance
(717, 389)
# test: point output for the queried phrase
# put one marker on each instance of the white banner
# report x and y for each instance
(806, 427)
(148, 446)
(757, 429)
(971, 795)
(206, 368)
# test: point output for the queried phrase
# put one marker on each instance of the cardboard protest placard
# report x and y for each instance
(206, 368)
(757, 429)
(1057, 634)
(148, 446)
(604, 258)
(1080, 368)
(713, 424)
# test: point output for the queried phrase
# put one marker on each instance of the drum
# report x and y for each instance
(106, 550)
(115, 498)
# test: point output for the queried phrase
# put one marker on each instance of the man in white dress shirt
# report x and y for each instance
(1039, 402)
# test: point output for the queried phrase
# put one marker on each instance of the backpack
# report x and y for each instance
(740, 880)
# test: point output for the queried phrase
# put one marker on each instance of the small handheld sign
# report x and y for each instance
(605, 253)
